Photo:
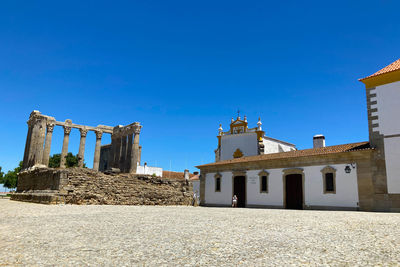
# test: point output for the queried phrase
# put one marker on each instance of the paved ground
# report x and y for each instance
(33, 234)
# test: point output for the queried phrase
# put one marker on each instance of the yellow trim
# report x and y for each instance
(243, 123)
(381, 79)
(237, 154)
(260, 135)
(219, 140)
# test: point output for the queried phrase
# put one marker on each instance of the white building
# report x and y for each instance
(265, 172)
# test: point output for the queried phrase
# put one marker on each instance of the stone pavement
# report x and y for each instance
(34, 234)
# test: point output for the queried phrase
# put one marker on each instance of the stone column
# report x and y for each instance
(122, 158)
(127, 165)
(35, 139)
(47, 145)
(81, 153)
(140, 155)
(135, 148)
(96, 159)
(64, 151)
(27, 146)
(115, 146)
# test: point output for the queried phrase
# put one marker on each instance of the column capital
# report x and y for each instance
(67, 130)
(98, 133)
(137, 128)
(50, 127)
(34, 117)
(83, 132)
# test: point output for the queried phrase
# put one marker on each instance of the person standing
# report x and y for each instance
(194, 200)
(234, 201)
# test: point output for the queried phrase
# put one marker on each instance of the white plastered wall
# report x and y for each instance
(346, 188)
(392, 156)
(246, 142)
(196, 186)
(149, 170)
(222, 198)
(271, 146)
(274, 197)
(388, 105)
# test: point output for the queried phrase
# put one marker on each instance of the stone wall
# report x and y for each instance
(86, 186)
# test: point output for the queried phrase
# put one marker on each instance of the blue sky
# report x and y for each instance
(183, 67)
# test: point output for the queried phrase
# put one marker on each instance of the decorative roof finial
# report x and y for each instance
(238, 117)
(245, 118)
(259, 123)
(232, 120)
(220, 129)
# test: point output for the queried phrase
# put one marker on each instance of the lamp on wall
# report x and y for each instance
(350, 166)
(347, 169)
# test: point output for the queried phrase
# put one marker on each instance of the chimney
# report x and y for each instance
(186, 174)
(319, 141)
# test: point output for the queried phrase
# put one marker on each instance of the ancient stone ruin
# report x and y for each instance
(125, 153)
(116, 177)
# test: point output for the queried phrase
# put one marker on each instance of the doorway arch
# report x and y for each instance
(293, 188)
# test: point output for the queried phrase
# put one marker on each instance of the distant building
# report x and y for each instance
(265, 172)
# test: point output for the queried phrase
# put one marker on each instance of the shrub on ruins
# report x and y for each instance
(9, 180)
(71, 160)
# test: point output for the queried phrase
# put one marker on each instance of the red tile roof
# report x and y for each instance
(175, 175)
(296, 153)
(195, 177)
(392, 67)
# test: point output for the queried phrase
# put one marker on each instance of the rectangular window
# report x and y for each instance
(264, 185)
(218, 184)
(329, 183)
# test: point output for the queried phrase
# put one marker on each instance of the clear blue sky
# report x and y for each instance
(182, 67)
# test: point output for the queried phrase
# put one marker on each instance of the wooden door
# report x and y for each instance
(239, 189)
(294, 191)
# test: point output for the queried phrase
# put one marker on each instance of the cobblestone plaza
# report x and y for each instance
(35, 234)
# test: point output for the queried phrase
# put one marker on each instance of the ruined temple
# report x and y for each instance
(117, 176)
(124, 152)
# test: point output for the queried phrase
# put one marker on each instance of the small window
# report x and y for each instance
(218, 184)
(264, 185)
(329, 182)
(263, 181)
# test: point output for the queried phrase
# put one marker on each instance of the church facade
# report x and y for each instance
(266, 172)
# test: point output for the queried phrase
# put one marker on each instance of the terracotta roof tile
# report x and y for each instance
(392, 67)
(195, 177)
(296, 153)
(175, 175)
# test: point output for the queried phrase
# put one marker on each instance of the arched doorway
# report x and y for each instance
(239, 189)
(293, 185)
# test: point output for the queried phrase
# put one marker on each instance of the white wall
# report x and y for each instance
(388, 105)
(149, 170)
(246, 142)
(346, 188)
(272, 146)
(274, 197)
(222, 198)
(392, 156)
(196, 186)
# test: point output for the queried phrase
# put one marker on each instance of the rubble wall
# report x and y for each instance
(86, 186)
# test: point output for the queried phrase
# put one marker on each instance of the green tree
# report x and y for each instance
(71, 160)
(1, 176)
(9, 180)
